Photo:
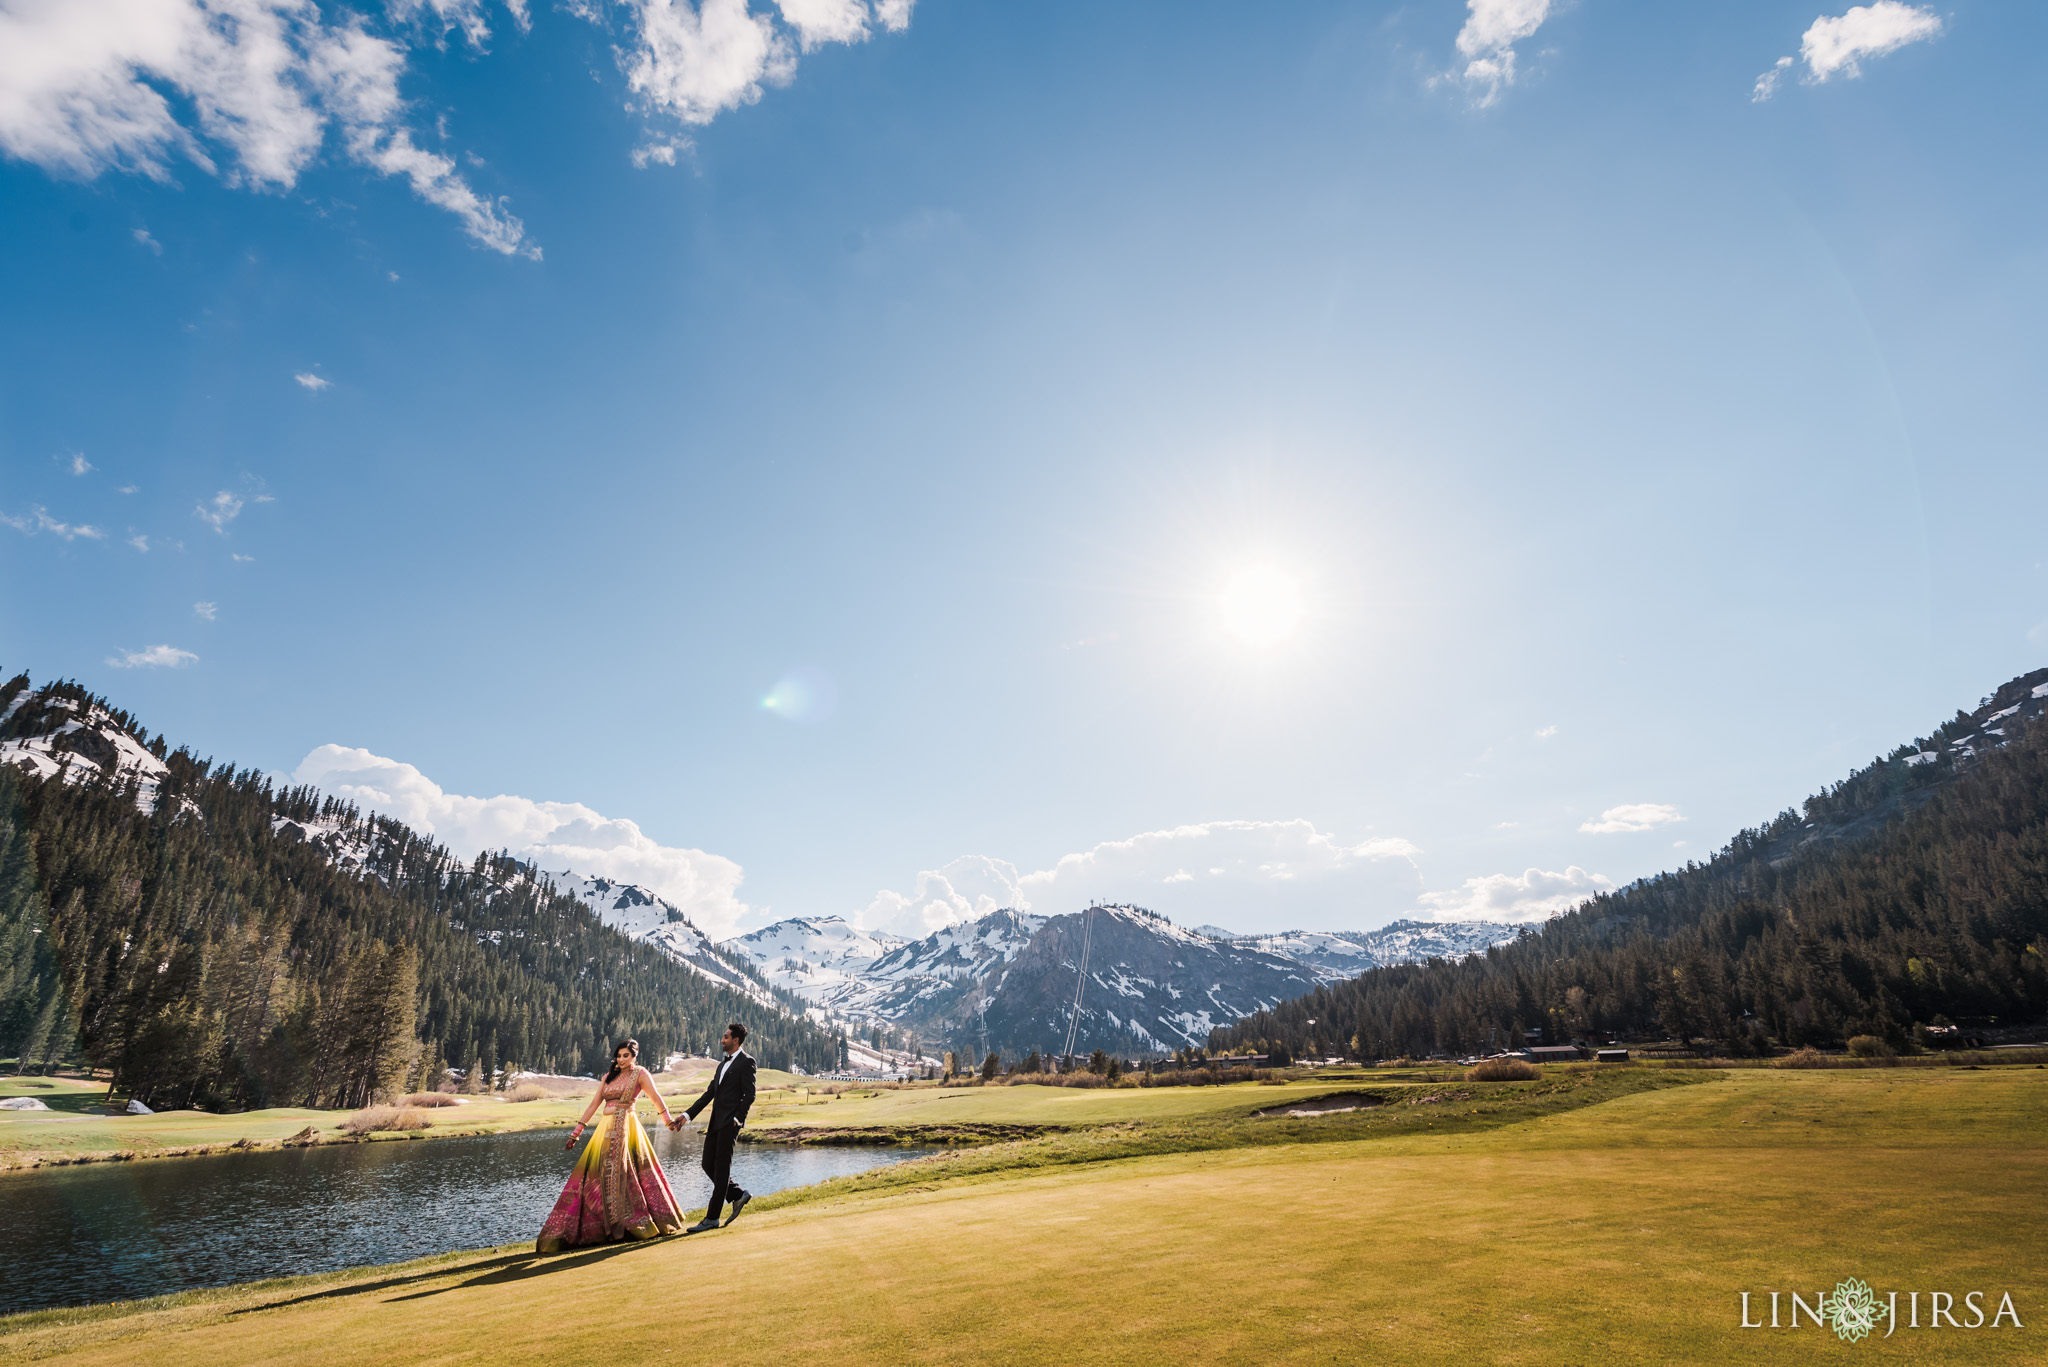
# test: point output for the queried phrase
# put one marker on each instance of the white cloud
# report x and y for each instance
(1278, 874)
(555, 835)
(80, 465)
(467, 16)
(239, 558)
(38, 519)
(205, 612)
(139, 542)
(694, 62)
(1631, 817)
(223, 510)
(825, 21)
(316, 383)
(1767, 84)
(254, 90)
(1492, 28)
(128, 489)
(1535, 895)
(1545, 733)
(1836, 46)
(697, 62)
(155, 657)
(142, 235)
(972, 885)
(83, 91)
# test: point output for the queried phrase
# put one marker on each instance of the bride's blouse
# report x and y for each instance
(621, 1092)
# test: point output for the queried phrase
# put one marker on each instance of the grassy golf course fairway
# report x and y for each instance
(1451, 1232)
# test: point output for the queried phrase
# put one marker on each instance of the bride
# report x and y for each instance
(617, 1190)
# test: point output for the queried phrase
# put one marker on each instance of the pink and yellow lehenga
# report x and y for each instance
(617, 1189)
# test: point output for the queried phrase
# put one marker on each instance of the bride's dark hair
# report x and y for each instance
(632, 1044)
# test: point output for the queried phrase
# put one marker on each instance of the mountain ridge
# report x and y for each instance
(1007, 980)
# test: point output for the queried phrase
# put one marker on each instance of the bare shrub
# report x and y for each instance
(1056, 1080)
(1870, 1046)
(528, 1091)
(1808, 1057)
(371, 1119)
(430, 1099)
(1504, 1070)
(1205, 1077)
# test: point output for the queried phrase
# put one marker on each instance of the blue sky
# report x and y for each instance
(527, 402)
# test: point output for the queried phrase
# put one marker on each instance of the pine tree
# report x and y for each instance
(36, 1044)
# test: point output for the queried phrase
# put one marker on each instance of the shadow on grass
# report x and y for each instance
(506, 1267)
(527, 1265)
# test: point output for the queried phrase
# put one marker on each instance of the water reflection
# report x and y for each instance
(116, 1231)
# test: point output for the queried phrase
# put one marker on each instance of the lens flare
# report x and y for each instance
(804, 696)
(1261, 605)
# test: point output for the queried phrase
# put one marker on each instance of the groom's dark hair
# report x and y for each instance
(739, 1032)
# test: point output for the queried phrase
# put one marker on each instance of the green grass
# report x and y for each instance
(1035, 1105)
(1596, 1218)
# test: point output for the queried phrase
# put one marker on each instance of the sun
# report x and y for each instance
(1261, 605)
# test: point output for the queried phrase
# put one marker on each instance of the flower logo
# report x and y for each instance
(1853, 1310)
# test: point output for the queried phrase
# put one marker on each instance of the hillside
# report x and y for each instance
(1912, 894)
(215, 941)
(642, 915)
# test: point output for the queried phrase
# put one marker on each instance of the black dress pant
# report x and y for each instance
(719, 1136)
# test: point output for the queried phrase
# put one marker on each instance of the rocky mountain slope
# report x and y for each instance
(59, 729)
(1007, 980)
(819, 958)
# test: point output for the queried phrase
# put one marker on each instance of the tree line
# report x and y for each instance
(207, 959)
(1914, 893)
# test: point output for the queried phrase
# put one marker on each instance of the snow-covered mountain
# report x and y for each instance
(1150, 987)
(50, 730)
(639, 914)
(822, 959)
(1346, 954)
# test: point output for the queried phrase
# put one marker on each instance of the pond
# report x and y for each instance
(118, 1231)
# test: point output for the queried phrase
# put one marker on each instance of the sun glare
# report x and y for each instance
(1261, 605)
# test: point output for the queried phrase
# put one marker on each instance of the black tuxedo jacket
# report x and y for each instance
(729, 1096)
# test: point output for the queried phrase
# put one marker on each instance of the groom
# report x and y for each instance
(729, 1096)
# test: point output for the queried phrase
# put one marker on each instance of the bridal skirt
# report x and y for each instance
(617, 1191)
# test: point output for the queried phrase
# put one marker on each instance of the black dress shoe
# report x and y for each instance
(701, 1226)
(739, 1203)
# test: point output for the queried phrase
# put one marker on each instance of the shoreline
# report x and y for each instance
(11, 1163)
(33, 1163)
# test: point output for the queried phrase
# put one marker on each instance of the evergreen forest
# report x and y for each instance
(206, 959)
(1907, 902)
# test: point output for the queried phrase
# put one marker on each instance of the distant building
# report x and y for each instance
(1554, 1053)
(1611, 1056)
